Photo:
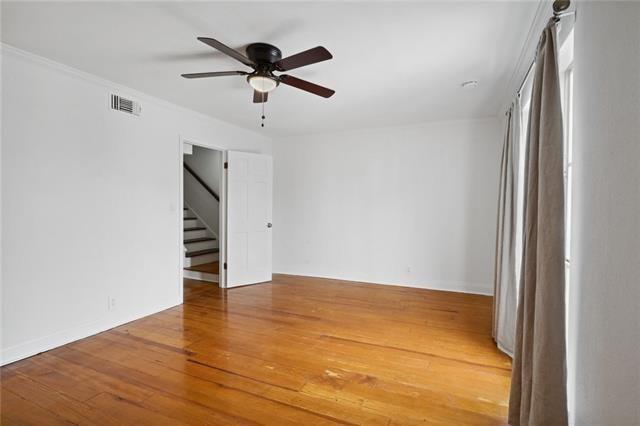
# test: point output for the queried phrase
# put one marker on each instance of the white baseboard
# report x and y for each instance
(52, 341)
(485, 289)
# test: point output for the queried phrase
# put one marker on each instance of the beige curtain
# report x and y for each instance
(538, 381)
(505, 294)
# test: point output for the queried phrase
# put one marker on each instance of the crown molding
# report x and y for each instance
(112, 86)
(527, 53)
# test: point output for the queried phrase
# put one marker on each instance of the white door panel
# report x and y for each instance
(249, 209)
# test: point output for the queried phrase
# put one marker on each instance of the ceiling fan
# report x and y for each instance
(265, 59)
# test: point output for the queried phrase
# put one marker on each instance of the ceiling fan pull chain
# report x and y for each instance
(262, 125)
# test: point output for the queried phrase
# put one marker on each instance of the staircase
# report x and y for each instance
(201, 250)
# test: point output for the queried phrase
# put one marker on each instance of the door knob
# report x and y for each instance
(269, 225)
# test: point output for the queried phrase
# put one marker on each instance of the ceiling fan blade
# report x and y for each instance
(306, 86)
(227, 50)
(213, 74)
(260, 97)
(308, 57)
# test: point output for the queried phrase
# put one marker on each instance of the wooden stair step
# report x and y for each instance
(201, 252)
(199, 240)
(199, 228)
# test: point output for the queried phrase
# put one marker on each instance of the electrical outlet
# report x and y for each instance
(408, 269)
(111, 303)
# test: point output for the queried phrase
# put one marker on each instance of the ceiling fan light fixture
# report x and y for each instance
(262, 83)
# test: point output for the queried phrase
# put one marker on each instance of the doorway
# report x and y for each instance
(202, 198)
(226, 226)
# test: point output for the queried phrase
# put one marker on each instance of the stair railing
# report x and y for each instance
(201, 181)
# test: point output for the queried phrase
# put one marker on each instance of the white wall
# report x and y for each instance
(90, 203)
(412, 206)
(605, 268)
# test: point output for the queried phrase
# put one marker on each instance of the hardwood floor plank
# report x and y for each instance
(55, 402)
(211, 268)
(143, 358)
(293, 351)
(20, 411)
(187, 412)
(74, 380)
(218, 390)
(123, 411)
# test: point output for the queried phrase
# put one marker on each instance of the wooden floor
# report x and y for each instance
(211, 268)
(297, 350)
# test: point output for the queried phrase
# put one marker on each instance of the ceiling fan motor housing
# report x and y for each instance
(263, 53)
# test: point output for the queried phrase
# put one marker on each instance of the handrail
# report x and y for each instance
(201, 182)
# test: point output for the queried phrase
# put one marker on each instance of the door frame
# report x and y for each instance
(222, 225)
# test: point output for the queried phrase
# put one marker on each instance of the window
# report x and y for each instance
(565, 67)
(568, 165)
(524, 98)
(566, 90)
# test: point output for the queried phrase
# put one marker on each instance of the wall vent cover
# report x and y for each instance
(119, 103)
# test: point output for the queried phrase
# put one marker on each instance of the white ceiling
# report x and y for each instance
(394, 63)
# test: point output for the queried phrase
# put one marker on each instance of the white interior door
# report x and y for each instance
(249, 209)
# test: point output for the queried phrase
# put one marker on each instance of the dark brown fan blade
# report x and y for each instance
(260, 97)
(308, 57)
(306, 86)
(227, 50)
(213, 74)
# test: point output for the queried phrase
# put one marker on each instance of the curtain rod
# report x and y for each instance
(526, 77)
(562, 15)
(559, 7)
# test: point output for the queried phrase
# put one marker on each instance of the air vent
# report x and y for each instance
(125, 105)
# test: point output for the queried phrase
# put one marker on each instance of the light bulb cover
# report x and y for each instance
(262, 83)
(470, 84)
